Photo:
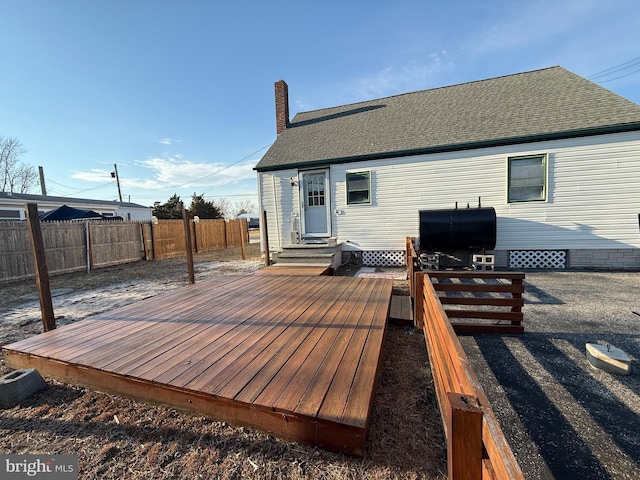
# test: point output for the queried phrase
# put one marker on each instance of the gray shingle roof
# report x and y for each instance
(547, 103)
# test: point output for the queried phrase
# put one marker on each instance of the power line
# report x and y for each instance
(104, 185)
(622, 76)
(221, 169)
(615, 69)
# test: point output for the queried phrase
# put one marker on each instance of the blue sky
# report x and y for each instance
(179, 94)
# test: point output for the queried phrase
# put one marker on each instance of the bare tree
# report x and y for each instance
(15, 176)
(245, 206)
(230, 209)
(225, 206)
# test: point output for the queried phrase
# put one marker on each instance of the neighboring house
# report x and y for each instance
(12, 206)
(557, 156)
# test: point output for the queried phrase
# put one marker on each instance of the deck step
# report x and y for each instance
(309, 247)
(401, 310)
(295, 269)
(304, 257)
(310, 254)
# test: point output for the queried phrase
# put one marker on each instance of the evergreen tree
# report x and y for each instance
(171, 209)
(203, 209)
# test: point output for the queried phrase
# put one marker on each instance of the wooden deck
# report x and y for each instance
(295, 356)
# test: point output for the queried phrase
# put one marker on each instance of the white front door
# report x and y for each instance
(315, 204)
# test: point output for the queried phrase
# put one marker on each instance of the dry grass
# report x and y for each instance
(115, 437)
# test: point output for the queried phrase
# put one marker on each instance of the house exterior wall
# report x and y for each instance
(592, 205)
(134, 214)
(281, 202)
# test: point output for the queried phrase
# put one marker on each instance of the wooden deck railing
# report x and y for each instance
(412, 263)
(482, 301)
(476, 446)
(492, 299)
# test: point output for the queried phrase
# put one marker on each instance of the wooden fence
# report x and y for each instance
(476, 446)
(77, 246)
(167, 236)
(481, 301)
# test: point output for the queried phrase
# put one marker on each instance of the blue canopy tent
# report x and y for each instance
(66, 213)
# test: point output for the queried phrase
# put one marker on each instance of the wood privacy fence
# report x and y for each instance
(77, 246)
(166, 238)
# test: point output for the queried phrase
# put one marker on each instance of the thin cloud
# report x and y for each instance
(100, 175)
(175, 171)
(512, 29)
(169, 141)
(93, 175)
(396, 79)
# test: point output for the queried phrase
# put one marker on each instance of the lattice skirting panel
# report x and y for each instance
(383, 258)
(547, 259)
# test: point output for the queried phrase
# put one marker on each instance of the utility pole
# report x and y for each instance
(114, 174)
(43, 187)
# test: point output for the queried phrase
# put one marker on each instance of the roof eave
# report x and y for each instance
(586, 132)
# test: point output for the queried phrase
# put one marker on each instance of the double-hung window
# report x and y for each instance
(358, 188)
(527, 178)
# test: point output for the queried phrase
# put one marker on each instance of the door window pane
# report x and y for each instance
(315, 190)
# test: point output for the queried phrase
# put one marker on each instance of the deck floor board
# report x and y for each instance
(297, 356)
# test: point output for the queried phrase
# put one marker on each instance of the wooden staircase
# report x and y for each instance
(310, 254)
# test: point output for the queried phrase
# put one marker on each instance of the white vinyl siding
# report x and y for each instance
(279, 198)
(592, 193)
(592, 196)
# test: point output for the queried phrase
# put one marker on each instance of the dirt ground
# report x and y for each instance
(117, 438)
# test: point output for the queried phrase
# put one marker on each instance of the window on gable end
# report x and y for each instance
(527, 177)
(358, 188)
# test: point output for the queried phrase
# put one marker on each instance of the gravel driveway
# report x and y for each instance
(563, 418)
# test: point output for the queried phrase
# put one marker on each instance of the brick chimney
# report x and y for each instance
(282, 106)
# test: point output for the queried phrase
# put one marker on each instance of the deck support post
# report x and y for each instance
(265, 237)
(187, 245)
(241, 224)
(40, 267)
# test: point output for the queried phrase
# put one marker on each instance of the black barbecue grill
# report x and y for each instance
(449, 238)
